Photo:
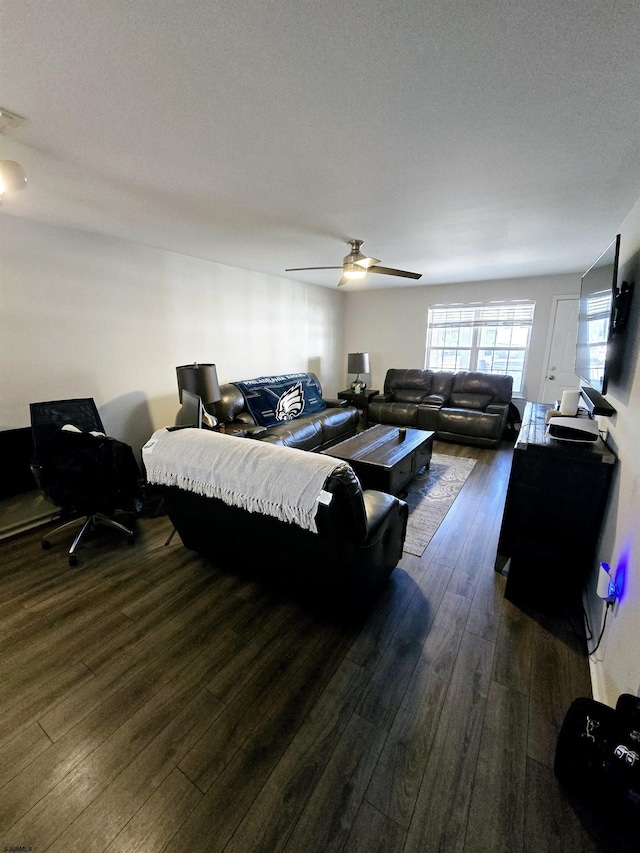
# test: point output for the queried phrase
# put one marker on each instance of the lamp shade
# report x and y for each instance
(358, 362)
(200, 379)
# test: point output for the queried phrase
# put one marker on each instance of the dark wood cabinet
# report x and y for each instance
(554, 507)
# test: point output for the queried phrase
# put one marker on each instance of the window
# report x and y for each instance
(489, 337)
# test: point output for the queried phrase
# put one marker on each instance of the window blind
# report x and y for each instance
(469, 315)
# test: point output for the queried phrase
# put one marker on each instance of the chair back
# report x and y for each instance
(49, 417)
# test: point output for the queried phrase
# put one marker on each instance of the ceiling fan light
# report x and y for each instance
(353, 271)
(12, 177)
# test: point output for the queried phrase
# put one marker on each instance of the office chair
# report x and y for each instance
(82, 470)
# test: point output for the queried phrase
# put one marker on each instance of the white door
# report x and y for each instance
(561, 350)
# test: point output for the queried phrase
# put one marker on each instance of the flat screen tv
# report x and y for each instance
(599, 303)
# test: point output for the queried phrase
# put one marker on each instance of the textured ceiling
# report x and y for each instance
(466, 140)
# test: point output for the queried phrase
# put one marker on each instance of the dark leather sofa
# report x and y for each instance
(466, 407)
(342, 567)
(314, 432)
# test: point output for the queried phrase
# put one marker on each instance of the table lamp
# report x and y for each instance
(358, 362)
(200, 379)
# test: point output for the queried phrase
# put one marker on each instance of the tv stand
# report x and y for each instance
(555, 502)
(595, 402)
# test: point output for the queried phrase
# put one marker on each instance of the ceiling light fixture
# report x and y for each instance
(353, 271)
(12, 176)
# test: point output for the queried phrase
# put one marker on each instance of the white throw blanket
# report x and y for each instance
(254, 475)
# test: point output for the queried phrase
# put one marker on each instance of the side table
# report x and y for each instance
(360, 401)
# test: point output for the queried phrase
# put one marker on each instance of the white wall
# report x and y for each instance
(615, 668)
(83, 315)
(391, 324)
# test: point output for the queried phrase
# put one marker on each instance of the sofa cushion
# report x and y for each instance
(408, 382)
(335, 423)
(434, 401)
(304, 434)
(499, 388)
(466, 400)
(403, 414)
(469, 422)
(408, 395)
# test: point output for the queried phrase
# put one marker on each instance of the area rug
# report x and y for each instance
(431, 496)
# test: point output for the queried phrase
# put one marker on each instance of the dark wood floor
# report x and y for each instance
(152, 702)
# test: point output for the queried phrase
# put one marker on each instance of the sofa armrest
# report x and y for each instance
(335, 404)
(382, 398)
(377, 506)
(255, 431)
(497, 408)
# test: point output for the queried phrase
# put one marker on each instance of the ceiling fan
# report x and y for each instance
(355, 265)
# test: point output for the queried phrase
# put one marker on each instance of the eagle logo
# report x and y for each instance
(291, 403)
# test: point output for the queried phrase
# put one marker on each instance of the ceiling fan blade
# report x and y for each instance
(300, 269)
(367, 262)
(343, 280)
(389, 271)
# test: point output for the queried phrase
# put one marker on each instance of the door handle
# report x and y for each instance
(551, 376)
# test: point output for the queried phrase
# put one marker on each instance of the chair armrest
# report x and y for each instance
(335, 404)
(382, 398)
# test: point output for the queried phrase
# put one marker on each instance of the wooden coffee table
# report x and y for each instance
(384, 458)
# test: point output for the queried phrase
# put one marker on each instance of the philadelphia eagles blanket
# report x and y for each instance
(274, 399)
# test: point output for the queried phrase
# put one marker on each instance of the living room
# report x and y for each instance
(110, 313)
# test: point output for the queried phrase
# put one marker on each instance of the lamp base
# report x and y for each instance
(358, 386)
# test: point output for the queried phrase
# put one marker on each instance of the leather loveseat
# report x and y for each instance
(344, 562)
(466, 407)
(316, 431)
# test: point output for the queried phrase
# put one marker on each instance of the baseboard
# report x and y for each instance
(598, 688)
(25, 512)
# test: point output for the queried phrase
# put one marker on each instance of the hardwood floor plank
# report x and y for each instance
(472, 558)
(488, 600)
(229, 798)
(496, 815)
(514, 645)
(209, 756)
(231, 679)
(165, 624)
(397, 777)
(384, 694)
(22, 710)
(58, 808)
(156, 822)
(109, 812)
(372, 832)
(551, 825)
(21, 750)
(52, 766)
(440, 816)
(274, 812)
(381, 624)
(330, 813)
(551, 699)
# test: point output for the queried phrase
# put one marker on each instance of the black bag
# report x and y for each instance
(598, 754)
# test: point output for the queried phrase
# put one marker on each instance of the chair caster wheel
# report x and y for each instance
(73, 561)
(46, 544)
